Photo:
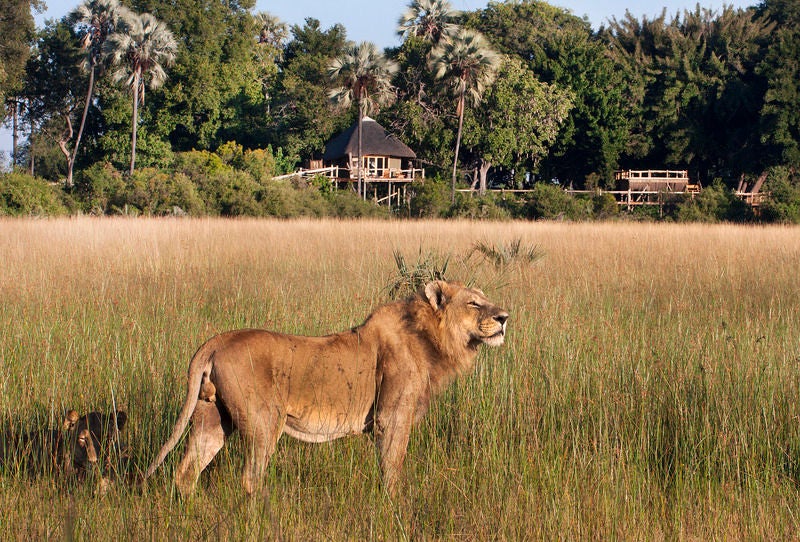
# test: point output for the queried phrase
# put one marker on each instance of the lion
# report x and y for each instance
(376, 378)
(72, 449)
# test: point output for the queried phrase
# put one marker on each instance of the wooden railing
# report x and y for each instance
(341, 174)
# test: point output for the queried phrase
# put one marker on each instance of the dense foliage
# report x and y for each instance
(715, 93)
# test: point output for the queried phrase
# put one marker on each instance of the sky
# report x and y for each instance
(376, 20)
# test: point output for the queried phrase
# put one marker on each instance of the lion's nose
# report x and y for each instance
(501, 318)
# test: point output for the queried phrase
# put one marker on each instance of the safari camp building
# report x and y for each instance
(384, 156)
(389, 165)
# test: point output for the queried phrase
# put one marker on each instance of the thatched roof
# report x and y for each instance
(375, 141)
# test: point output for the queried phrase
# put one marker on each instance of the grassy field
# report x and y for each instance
(649, 387)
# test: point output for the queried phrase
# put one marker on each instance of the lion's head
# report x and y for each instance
(468, 313)
(94, 435)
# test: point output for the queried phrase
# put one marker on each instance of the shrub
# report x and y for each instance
(157, 193)
(259, 163)
(410, 278)
(21, 195)
(321, 183)
(430, 198)
(550, 201)
(152, 151)
(100, 188)
(286, 199)
(199, 164)
(232, 154)
(347, 204)
(488, 207)
(604, 206)
(783, 203)
(714, 203)
(283, 162)
(234, 193)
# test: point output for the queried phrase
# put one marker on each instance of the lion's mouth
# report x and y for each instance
(497, 339)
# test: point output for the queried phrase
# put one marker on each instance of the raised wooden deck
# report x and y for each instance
(653, 180)
(385, 187)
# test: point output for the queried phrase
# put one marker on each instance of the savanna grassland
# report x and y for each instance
(649, 387)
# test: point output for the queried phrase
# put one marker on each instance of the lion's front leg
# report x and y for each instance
(393, 421)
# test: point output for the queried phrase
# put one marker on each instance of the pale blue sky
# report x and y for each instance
(376, 20)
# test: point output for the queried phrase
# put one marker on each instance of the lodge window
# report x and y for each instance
(374, 165)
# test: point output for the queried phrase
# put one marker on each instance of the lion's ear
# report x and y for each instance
(121, 417)
(70, 419)
(435, 293)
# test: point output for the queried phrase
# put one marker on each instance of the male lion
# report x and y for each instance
(379, 377)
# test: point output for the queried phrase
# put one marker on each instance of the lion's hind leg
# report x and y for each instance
(206, 438)
(260, 437)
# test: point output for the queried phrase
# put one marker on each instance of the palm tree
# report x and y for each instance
(271, 30)
(140, 50)
(97, 19)
(272, 36)
(431, 20)
(470, 65)
(365, 75)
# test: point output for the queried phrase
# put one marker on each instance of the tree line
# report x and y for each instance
(516, 94)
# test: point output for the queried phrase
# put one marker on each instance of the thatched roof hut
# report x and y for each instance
(383, 153)
(375, 141)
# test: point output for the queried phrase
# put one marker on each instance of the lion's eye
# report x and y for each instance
(474, 304)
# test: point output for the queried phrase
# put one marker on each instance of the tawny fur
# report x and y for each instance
(378, 377)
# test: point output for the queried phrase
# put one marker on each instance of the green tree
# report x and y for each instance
(780, 114)
(95, 20)
(17, 33)
(365, 77)
(272, 36)
(246, 101)
(702, 94)
(52, 91)
(420, 114)
(783, 202)
(519, 119)
(469, 65)
(301, 121)
(25, 195)
(140, 50)
(214, 89)
(561, 49)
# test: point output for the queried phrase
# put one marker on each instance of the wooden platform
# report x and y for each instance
(652, 180)
(385, 187)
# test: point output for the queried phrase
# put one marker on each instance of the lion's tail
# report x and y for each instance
(199, 366)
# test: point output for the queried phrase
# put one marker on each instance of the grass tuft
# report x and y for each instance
(410, 278)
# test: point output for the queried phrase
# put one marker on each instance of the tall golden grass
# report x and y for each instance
(649, 387)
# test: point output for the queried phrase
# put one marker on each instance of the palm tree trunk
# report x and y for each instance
(458, 145)
(71, 164)
(31, 153)
(360, 157)
(136, 78)
(14, 133)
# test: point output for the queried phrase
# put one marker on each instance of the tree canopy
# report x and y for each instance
(713, 92)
